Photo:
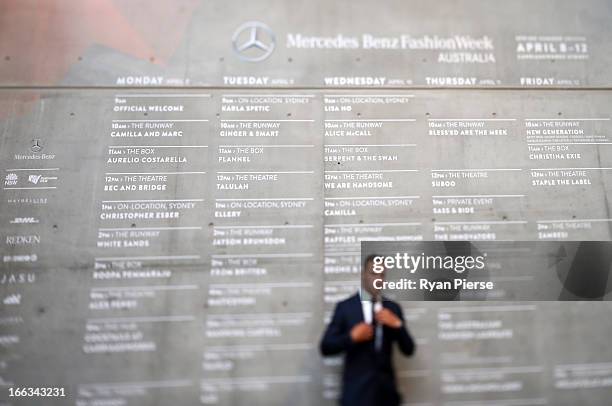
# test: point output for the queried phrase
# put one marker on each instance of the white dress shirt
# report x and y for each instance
(366, 307)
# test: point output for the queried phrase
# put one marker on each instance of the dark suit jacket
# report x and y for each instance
(368, 377)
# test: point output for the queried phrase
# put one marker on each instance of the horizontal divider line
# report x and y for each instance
(305, 87)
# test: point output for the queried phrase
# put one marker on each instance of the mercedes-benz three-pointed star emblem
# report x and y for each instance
(253, 41)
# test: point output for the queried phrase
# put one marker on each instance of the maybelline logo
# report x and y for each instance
(27, 200)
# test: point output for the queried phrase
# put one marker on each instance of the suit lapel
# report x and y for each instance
(358, 308)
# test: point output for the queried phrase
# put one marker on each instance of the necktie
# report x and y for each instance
(377, 327)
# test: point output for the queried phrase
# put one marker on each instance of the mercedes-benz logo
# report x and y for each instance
(253, 41)
(36, 147)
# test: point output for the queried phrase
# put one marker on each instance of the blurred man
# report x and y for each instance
(364, 327)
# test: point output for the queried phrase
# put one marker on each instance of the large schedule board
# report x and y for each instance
(186, 185)
(187, 246)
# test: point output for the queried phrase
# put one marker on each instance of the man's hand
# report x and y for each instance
(362, 332)
(388, 318)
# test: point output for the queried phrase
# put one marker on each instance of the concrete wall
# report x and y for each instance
(178, 221)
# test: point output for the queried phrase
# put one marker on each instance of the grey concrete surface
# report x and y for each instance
(182, 208)
(550, 43)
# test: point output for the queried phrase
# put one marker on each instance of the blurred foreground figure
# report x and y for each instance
(364, 327)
